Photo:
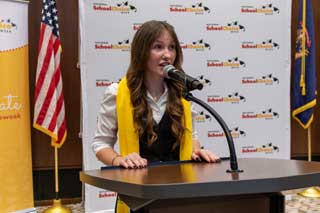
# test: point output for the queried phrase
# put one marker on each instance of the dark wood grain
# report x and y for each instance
(203, 179)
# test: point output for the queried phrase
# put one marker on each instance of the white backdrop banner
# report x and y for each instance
(239, 49)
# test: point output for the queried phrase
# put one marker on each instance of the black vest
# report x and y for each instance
(161, 149)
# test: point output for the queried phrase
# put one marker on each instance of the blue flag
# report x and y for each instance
(304, 85)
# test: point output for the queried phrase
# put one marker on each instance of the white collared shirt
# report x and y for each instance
(107, 124)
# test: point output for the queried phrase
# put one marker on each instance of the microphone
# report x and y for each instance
(191, 83)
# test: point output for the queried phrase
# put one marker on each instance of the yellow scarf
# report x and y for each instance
(128, 137)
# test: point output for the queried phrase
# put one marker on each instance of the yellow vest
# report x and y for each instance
(128, 137)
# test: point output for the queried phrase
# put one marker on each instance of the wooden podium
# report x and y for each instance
(204, 187)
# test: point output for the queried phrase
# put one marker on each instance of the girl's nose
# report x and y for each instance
(166, 54)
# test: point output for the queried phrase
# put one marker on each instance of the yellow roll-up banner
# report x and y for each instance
(16, 188)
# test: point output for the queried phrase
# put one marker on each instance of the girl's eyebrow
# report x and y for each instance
(161, 42)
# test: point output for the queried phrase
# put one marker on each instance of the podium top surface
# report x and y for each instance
(204, 179)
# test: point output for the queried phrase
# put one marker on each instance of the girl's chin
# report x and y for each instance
(161, 73)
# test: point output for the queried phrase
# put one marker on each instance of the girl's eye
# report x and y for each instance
(157, 46)
(172, 47)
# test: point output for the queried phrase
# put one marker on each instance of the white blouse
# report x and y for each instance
(107, 125)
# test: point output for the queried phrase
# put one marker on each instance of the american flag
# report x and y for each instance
(49, 113)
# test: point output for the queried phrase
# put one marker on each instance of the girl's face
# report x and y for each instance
(162, 52)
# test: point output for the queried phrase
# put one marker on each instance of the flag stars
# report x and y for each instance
(50, 15)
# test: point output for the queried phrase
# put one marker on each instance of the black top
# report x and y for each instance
(161, 149)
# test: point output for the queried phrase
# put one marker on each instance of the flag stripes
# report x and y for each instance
(49, 113)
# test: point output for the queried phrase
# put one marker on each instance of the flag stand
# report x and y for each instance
(56, 206)
(312, 191)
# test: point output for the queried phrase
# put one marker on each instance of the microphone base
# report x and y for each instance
(234, 171)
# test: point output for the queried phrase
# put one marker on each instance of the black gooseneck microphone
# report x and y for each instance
(191, 83)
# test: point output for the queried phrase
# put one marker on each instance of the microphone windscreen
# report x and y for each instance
(167, 69)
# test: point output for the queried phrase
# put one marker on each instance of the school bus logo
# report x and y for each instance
(267, 114)
(233, 98)
(265, 79)
(233, 27)
(268, 44)
(233, 63)
(235, 133)
(121, 7)
(6, 26)
(123, 45)
(267, 9)
(202, 117)
(268, 148)
(106, 194)
(198, 45)
(197, 8)
(103, 82)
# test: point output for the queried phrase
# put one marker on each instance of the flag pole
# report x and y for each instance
(56, 172)
(49, 113)
(57, 207)
(312, 191)
(309, 144)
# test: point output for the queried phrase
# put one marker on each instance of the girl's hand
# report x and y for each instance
(206, 155)
(131, 161)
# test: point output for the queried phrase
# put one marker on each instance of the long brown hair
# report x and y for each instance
(140, 51)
